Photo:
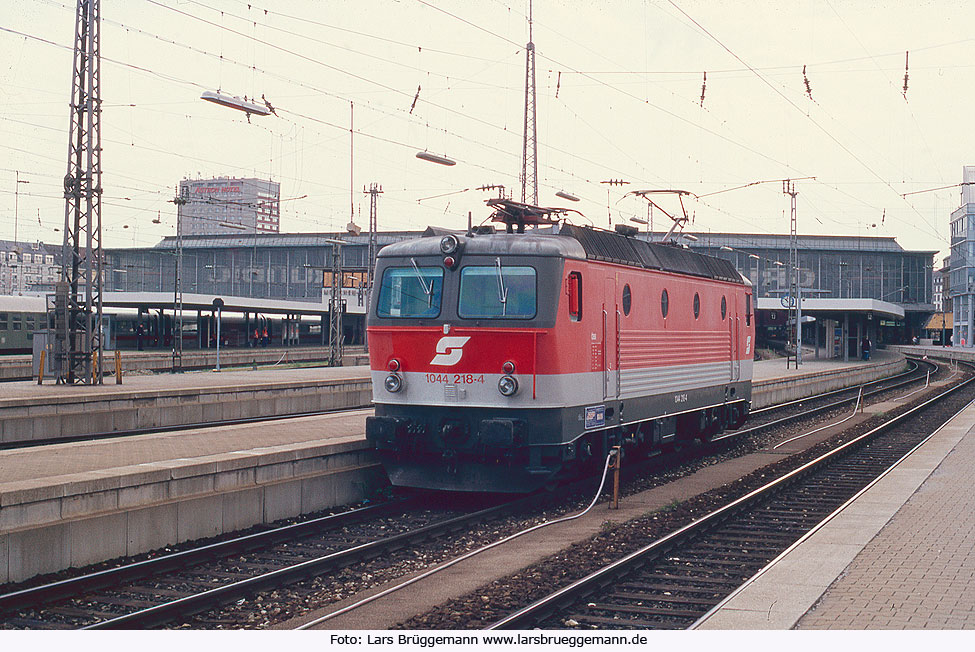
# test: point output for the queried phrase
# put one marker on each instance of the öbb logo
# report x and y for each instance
(449, 351)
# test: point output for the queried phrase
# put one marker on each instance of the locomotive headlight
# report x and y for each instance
(449, 244)
(393, 384)
(508, 386)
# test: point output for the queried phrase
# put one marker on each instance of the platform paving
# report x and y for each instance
(901, 555)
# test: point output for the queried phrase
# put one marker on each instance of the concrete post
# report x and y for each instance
(846, 337)
(856, 348)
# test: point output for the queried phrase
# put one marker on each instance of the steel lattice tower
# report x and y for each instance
(795, 289)
(374, 191)
(181, 198)
(78, 298)
(335, 335)
(529, 150)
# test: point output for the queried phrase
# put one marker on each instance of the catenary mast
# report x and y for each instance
(78, 297)
(529, 151)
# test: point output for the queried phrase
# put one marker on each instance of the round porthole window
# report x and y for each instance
(724, 308)
(697, 305)
(664, 303)
(627, 300)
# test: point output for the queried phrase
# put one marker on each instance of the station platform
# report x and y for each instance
(897, 556)
(49, 412)
(777, 381)
(20, 367)
(71, 504)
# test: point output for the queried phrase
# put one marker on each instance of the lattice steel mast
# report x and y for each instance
(529, 150)
(795, 288)
(374, 191)
(78, 298)
(181, 198)
(335, 335)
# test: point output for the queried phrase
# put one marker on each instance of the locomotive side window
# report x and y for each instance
(724, 308)
(748, 310)
(410, 292)
(664, 303)
(627, 299)
(573, 287)
(697, 305)
(497, 292)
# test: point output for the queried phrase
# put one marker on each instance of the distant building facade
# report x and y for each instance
(961, 288)
(28, 267)
(295, 267)
(230, 205)
(942, 281)
(837, 267)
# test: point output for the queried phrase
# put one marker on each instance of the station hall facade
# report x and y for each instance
(296, 268)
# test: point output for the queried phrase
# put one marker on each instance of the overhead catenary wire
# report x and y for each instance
(614, 172)
(793, 104)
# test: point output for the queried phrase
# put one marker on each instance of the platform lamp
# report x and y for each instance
(218, 304)
(758, 288)
(644, 222)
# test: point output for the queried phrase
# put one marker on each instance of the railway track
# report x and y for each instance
(169, 588)
(678, 578)
(774, 416)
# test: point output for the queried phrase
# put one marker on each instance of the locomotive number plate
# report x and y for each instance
(595, 416)
(455, 379)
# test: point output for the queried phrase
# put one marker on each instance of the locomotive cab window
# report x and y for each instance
(497, 292)
(410, 292)
(573, 288)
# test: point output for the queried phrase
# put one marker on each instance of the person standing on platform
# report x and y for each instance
(866, 348)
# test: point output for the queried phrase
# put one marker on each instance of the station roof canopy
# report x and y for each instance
(193, 301)
(940, 321)
(836, 308)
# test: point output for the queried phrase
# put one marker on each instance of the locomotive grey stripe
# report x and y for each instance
(552, 390)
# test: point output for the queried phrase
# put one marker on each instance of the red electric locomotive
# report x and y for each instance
(504, 361)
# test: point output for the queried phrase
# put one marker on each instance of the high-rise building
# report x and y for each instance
(230, 205)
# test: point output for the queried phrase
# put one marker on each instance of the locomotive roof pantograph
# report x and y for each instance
(551, 225)
(515, 214)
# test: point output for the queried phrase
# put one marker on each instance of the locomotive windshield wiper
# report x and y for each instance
(426, 290)
(502, 290)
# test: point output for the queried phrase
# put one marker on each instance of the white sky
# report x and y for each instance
(619, 97)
